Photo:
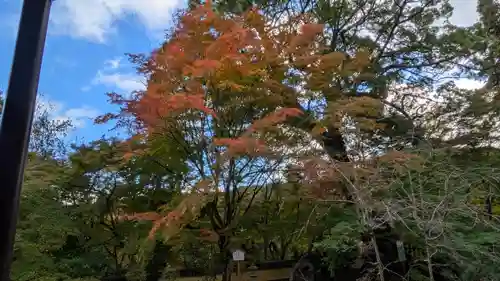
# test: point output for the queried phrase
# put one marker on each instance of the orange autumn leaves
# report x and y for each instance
(213, 64)
(245, 144)
(175, 219)
(210, 56)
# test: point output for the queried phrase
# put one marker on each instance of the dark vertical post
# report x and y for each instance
(16, 121)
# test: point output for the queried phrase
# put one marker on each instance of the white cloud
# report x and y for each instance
(123, 81)
(469, 84)
(79, 116)
(465, 13)
(95, 20)
(113, 63)
(113, 76)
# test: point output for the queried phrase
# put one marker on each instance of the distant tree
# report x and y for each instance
(47, 132)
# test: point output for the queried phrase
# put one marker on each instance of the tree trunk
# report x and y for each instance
(158, 262)
(225, 257)
(332, 140)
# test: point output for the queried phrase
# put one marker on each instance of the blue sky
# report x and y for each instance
(84, 52)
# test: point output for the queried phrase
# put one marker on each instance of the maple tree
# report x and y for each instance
(223, 87)
(230, 88)
(234, 89)
(288, 131)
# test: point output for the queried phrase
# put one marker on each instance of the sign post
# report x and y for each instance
(238, 257)
(17, 117)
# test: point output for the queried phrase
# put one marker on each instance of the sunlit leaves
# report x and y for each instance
(363, 109)
(222, 88)
(242, 145)
(172, 222)
(279, 116)
(208, 51)
(307, 33)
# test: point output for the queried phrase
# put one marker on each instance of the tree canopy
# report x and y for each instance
(328, 130)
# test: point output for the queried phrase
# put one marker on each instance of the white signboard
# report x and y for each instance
(238, 255)
(401, 250)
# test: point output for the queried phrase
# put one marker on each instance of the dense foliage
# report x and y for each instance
(321, 128)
